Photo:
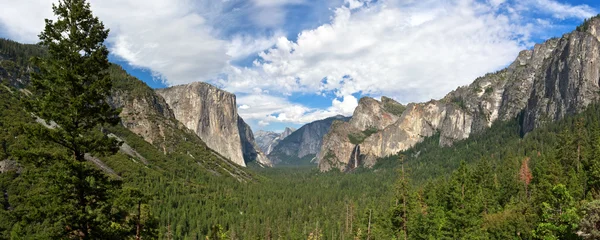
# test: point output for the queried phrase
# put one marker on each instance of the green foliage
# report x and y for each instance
(358, 138)
(559, 216)
(469, 191)
(459, 101)
(393, 107)
(73, 199)
(586, 24)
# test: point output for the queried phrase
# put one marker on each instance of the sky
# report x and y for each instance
(291, 62)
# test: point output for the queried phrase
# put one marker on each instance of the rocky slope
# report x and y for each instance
(267, 140)
(557, 78)
(212, 114)
(151, 135)
(304, 142)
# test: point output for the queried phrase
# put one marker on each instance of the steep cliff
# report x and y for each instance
(212, 114)
(268, 140)
(304, 142)
(250, 149)
(557, 78)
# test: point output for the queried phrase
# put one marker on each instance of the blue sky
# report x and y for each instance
(291, 62)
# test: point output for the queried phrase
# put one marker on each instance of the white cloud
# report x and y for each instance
(414, 53)
(241, 46)
(346, 106)
(23, 20)
(269, 3)
(561, 10)
(268, 108)
(408, 50)
(166, 37)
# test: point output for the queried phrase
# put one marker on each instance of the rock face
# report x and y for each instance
(304, 142)
(212, 114)
(145, 114)
(250, 149)
(557, 78)
(268, 140)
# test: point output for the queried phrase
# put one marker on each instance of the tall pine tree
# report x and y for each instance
(70, 90)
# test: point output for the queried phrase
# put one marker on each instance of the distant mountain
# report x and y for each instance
(555, 79)
(267, 140)
(304, 144)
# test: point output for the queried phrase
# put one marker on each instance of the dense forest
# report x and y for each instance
(497, 184)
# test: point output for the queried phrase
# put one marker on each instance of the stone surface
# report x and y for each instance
(557, 78)
(212, 114)
(250, 149)
(267, 140)
(304, 142)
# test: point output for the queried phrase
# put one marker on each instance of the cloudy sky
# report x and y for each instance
(291, 62)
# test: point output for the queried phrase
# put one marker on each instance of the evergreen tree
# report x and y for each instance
(559, 216)
(69, 94)
(400, 210)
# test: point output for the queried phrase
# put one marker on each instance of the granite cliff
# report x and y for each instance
(212, 114)
(304, 143)
(557, 78)
(267, 140)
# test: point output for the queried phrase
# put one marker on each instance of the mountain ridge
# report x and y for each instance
(557, 78)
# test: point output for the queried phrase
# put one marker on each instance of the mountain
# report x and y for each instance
(267, 140)
(303, 144)
(557, 78)
(151, 134)
(212, 114)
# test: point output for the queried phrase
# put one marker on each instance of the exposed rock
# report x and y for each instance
(211, 113)
(9, 166)
(555, 79)
(250, 149)
(268, 140)
(145, 114)
(372, 113)
(569, 80)
(304, 142)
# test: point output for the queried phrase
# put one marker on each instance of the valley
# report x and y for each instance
(90, 151)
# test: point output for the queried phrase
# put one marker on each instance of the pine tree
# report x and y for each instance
(559, 216)
(69, 93)
(400, 210)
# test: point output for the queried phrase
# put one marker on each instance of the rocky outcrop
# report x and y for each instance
(9, 166)
(304, 142)
(557, 78)
(268, 140)
(250, 149)
(212, 114)
(145, 114)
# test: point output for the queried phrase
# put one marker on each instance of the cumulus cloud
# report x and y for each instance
(561, 10)
(166, 37)
(268, 108)
(241, 46)
(415, 53)
(409, 50)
